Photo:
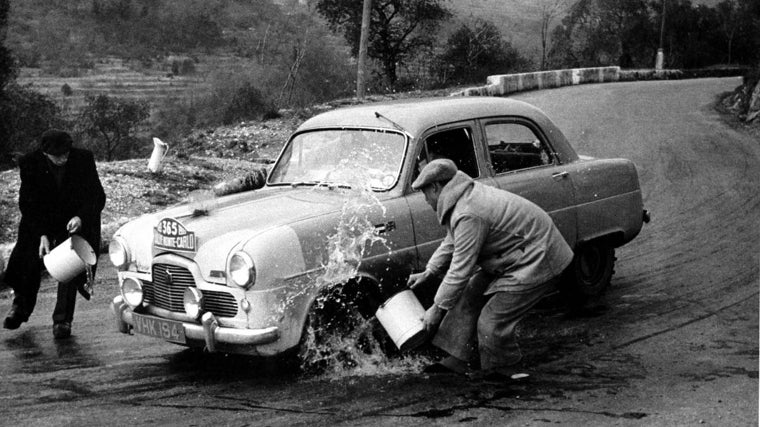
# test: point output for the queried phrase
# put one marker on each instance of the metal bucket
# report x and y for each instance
(160, 148)
(69, 259)
(401, 316)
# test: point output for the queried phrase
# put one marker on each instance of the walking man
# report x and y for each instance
(500, 256)
(60, 195)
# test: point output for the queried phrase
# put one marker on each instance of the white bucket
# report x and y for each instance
(160, 148)
(69, 259)
(401, 316)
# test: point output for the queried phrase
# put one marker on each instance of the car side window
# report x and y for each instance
(514, 146)
(455, 144)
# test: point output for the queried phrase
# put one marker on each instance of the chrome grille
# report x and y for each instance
(168, 288)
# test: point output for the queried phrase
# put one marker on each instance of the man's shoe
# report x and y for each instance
(62, 330)
(449, 365)
(11, 323)
(14, 319)
(498, 375)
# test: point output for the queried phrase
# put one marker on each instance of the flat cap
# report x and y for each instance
(56, 142)
(439, 170)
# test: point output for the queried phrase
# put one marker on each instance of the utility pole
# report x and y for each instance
(659, 62)
(363, 40)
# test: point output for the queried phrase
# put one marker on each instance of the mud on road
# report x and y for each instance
(674, 342)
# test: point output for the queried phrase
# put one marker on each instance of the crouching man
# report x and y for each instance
(500, 256)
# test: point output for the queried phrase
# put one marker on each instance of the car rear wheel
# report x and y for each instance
(589, 275)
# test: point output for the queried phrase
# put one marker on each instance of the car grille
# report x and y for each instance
(168, 288)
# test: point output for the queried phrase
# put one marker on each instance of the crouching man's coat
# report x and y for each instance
(504, 234)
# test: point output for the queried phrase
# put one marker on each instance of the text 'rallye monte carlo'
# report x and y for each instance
(337, 223)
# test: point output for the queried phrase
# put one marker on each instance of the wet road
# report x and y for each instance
(675, 341)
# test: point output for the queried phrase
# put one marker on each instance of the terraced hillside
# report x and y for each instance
(112, 76)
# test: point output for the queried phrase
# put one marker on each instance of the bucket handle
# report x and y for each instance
(158, 141)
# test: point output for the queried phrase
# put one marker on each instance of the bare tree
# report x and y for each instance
(398, 28)
(728, 13)
(550, 10)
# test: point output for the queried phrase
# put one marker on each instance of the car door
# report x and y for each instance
(521, 160)
(457, 142)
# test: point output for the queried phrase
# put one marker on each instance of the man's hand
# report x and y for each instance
(418, 279)
(44, 246)
(432, 319)
(74, 225)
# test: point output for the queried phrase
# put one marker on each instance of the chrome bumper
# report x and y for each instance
(208, 331)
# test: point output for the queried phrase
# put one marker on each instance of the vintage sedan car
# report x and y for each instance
(337, 222)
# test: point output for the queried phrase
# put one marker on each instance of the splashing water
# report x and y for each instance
(355, 352)
(356, 346)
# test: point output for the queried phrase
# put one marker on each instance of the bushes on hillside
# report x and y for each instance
(628, 34)
(25, 114)
(473, 53)
(111, 125)
(108, 126)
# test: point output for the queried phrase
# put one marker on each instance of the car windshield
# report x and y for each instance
(345, 157)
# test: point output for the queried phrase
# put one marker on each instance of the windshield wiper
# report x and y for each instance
(329, 185)
(300, 183)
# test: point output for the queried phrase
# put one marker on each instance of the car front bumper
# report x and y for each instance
(208, 331)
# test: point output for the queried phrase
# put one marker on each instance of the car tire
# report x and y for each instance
(589, 274)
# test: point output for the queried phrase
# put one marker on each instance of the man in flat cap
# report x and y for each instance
(500, 256)
(60, 195)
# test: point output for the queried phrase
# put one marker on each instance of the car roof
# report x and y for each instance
(418, 114)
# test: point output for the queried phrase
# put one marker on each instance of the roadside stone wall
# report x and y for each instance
(504, 84)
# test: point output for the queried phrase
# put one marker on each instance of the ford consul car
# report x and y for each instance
(337, 222)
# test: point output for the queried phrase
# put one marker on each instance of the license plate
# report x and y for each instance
(169, 330)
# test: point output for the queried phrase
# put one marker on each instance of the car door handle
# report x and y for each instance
(384, 228)
(559, 175)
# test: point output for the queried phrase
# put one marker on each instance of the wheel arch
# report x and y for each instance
(612, 238)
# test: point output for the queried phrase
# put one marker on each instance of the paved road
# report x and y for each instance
(675, 342)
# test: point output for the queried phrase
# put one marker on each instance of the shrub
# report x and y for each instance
(66, 90)
(472, 54)
(25, 115)
(182, 66)
(247, 102)
(111, 125)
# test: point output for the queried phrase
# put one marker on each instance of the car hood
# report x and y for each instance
(232, 220)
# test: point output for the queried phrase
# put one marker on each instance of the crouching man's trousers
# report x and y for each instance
(484, 325)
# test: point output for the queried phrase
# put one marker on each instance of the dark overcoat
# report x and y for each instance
(46, 209)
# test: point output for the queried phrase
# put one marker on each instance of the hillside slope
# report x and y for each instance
(518, 20)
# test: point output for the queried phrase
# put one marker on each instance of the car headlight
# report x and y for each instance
(193, 302)
(132, 292)
(241, 270)
(117, 251)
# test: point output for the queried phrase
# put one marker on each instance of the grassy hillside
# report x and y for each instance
(246, 27)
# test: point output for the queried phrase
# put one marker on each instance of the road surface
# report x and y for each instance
(674, 342)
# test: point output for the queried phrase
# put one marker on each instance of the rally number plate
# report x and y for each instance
(159, 328)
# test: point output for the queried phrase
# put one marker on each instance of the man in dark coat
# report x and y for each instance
(60, 195)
